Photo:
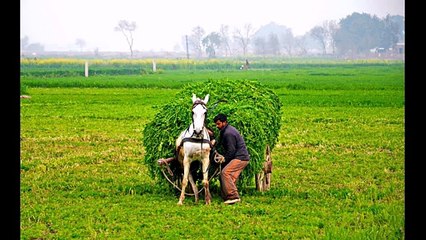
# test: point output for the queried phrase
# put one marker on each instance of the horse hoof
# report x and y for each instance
(180, 203)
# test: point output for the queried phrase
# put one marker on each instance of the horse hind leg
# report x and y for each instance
(194, 187)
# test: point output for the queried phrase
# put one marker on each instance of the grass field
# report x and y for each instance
(338, 167)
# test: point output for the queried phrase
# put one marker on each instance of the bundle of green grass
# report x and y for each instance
(251, 107)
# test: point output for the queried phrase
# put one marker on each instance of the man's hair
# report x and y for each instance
(221, 117)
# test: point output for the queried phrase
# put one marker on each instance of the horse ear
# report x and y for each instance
(206, 99)
(194, 98)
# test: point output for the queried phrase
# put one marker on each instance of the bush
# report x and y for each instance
(251, 107)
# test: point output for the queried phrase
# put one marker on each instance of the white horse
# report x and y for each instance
(193, 144)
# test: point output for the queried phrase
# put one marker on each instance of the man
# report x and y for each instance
(236, 158)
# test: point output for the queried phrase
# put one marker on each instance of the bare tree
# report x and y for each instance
(243, 37)
(127, 28)
(224, 35)
(319, 33)
(288, 42)
(300, 44)
(325, 35)
(81, 43)
(195, 40)
(332, 28)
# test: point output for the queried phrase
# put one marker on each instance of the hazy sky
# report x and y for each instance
(161, 24)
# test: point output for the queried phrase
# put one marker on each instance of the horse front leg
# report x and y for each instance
(206, 163)
(186, 165)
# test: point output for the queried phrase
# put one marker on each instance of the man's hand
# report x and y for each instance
(218, 158)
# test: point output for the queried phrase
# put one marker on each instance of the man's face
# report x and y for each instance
(220, 124)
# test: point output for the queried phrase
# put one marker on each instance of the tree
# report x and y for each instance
(300, 43)
(326, 35)
(391, 32)
(81, 43)
(24, 43)
(332, 28)
(273, 44)
(288, 42)
(211, 42)
(35, 47)
(319, 33)
(358, 33)
(398, 24)
(260, 46)
(224, 36)
(195, 41)
(26, 46)
(96, 52)
(273, 36)
(127, 28)
(243, 37)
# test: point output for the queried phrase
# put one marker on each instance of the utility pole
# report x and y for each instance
(86, 69)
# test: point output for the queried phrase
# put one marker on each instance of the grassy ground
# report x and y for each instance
(338, 167)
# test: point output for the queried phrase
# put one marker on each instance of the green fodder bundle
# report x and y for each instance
(252, 108)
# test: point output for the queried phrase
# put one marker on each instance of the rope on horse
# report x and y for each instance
(219, 159)
(190, 194)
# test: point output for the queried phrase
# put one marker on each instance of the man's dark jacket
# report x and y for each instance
(233, 144)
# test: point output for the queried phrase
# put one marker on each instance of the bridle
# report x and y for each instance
(194, 105)
(198, 138)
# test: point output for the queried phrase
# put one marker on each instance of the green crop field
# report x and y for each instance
(338, 167)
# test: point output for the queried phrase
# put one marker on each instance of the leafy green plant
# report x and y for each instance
(252, 108)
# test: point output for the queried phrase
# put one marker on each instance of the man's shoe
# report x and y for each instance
(232, 201)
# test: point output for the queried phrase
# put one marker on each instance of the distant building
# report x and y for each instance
(399, 48)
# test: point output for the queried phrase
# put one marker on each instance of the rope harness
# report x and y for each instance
(219, 159)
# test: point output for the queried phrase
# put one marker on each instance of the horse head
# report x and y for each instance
(199, 113)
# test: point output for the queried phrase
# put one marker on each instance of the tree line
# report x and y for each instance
(355, 34)
(352, 35)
